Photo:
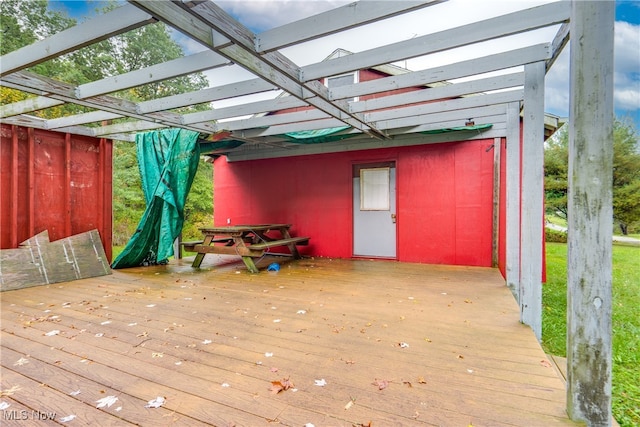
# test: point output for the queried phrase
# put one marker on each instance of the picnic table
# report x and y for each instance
(249, 241)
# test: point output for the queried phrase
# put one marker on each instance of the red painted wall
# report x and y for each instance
(444, 200)
(53, 181)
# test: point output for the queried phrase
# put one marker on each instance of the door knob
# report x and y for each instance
(393, 218)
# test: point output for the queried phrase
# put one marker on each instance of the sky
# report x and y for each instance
(260, 15)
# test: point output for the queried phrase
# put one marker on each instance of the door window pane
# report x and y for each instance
(374, 193)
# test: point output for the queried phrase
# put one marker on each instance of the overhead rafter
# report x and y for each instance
(272, 66)
(117, 21)
(229, 42)
(333, 21)
(489, 29)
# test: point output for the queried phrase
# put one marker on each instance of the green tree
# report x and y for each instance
(626, 174)
(26, 21)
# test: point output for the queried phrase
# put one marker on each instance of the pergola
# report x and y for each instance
(500, 89)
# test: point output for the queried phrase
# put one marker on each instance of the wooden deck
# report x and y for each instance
(397, 345)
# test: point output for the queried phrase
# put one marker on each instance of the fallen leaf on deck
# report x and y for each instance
(274, 370)
(421, 380)
(282, 385)
(321, 382)
(302, 312)
(403, 345)
(9, 391)
(205, 342)
(74, 393)
(350, 403)
(4, 405)
(381, 384)
(67, 418)
(106, 401)
(545, 363)
(151, 305)
(468, 301)
(157, 355)
(155, 403)
(52, 333)
(268, 354)
(21, 361)
(407, 383)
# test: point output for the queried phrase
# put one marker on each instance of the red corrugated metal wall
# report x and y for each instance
(444, 201)
(53, 181)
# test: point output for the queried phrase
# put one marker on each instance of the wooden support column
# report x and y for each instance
(497, 148)
(14, 187)
(532, 199)
(590, 213)
(67, 184)
(513, 199)
(31, 141)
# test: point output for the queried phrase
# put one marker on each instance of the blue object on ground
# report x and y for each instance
(273, 267)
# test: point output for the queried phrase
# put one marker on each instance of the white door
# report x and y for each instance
(374, 211)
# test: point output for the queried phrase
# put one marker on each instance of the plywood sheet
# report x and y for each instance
(40, 262)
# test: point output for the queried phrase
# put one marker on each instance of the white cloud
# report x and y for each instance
(260, 15)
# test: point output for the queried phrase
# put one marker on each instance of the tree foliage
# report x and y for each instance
(626, 174)
(26, 21)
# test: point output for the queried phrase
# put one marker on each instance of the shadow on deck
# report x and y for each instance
(394, 343)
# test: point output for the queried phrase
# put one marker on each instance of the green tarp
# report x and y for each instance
(168, 160)
(457, 129)
(318, 136)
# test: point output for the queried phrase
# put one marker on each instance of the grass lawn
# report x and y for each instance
(626, 323)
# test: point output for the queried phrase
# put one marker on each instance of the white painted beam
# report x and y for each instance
(462, 115)
(102, 27)
(217, 93)
(249, 108)
(28, 105)
(201, 61)
(441, 92)
(33, 83)
(532, 216)
(513, 174)
(558, 43)
(589, 278)
(273, 120)
(513, 23)
(446, 105)
(81, 119)
(335, 20)
(498, 61)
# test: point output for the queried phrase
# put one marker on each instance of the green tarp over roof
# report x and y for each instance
(168, 160)
(457, 129)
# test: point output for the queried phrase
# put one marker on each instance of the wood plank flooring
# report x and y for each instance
(394, 344)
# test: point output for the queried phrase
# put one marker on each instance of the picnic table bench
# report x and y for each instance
(248, 241)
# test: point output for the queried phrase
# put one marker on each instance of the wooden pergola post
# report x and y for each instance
(532, 197)
(513, 199)
(590, 213)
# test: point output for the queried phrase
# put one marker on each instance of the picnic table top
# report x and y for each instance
(243, 228)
